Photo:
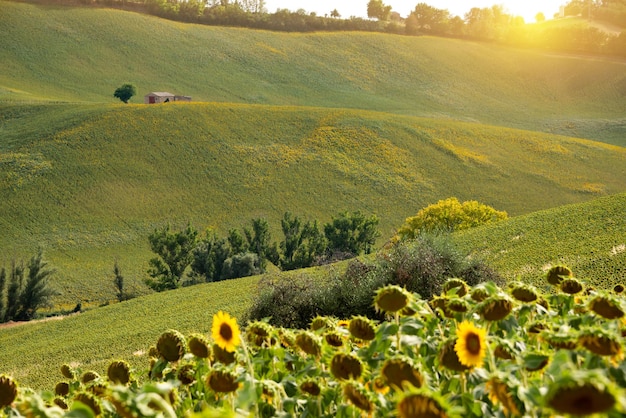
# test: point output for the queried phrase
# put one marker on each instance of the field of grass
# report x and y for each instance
(92, 192)
(590, 238)
(83, 54)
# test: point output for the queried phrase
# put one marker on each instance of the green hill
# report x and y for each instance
(83, 54)
(520, 247)
(88, 178)
(590, 238)
(92, 192)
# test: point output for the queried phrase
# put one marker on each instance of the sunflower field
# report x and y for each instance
(469, 352)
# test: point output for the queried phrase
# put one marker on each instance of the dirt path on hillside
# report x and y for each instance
(12, 324)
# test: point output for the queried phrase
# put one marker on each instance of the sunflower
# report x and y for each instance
(89, 376)
(311, 387)
(391, 299)
(471, 344)
(495, 307)
(89, 401)
(581, 392)
(62, 389)
(309, 343)
(460, 287)
(119, 372)
(199, 346)
(8, 391)
(422, 404)
(346, 366)
(171, 345)
(601, 342)
(448, 357)
(607, 306)
(222, 381)
(400, 370)
(67, 372)
(225, 331)
(524, 292)
(500, 393)
(556, 274)
(358, 396)
(362, 328)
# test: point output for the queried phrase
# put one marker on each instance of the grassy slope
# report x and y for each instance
(92, 193)
(520, 247)
(588, 237)
(84, 54)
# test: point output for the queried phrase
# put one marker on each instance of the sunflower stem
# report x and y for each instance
(398, 332)
(246, 355)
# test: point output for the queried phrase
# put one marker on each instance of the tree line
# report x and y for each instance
(491, 24)
(186, 257)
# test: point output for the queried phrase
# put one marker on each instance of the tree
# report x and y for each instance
(302, 243)
(36, 293)
(118, 282)
(174, 250)
(125, 92)
(259, 240)
(540, 17)
(25, 295)
(377, 10)
(352, 233)
(209, 257)
(449, 215)
(335, 14)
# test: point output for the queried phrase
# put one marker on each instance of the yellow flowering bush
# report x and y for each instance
(556, 354)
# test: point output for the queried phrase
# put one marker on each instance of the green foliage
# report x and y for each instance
(174, 250)
(302, 244)
(125, 92)
(352, 233)
(423, 265)
(241, 265)
(258, 240)
(420, 266)
(210, 254)
(447, 216)
(376, 9)
(25, 295)
(118, 282)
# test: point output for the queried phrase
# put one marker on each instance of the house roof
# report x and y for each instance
(160, 94)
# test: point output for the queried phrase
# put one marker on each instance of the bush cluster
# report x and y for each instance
(421, 266)
(213, 258)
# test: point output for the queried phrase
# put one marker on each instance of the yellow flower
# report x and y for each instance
(225, 331)
(471, 344)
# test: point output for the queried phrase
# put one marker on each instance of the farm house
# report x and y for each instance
(164, 97)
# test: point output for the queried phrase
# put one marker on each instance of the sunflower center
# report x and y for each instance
(472, 343)
(226, 332)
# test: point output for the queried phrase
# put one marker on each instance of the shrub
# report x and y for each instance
(447, 216)
(241, 265)
(423, 265)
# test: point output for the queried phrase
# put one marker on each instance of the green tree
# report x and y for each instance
(302, 243)
(352, 233)
(449, 215)
(237, 242)
(3, 279)
(118, 282)
(209, 257)
(36, 293)
(125, 92)
(258, 239)
(241, 265)
(174, 250)
(335, 14)
(377, 10)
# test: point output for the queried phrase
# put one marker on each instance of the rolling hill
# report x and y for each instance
(520, 247)
(83, 54)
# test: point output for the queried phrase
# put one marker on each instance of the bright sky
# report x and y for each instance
(525, 8)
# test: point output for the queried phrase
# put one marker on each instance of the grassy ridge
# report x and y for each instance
(590, 238)
(126, 330)
(83, 54)
(91, 193)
